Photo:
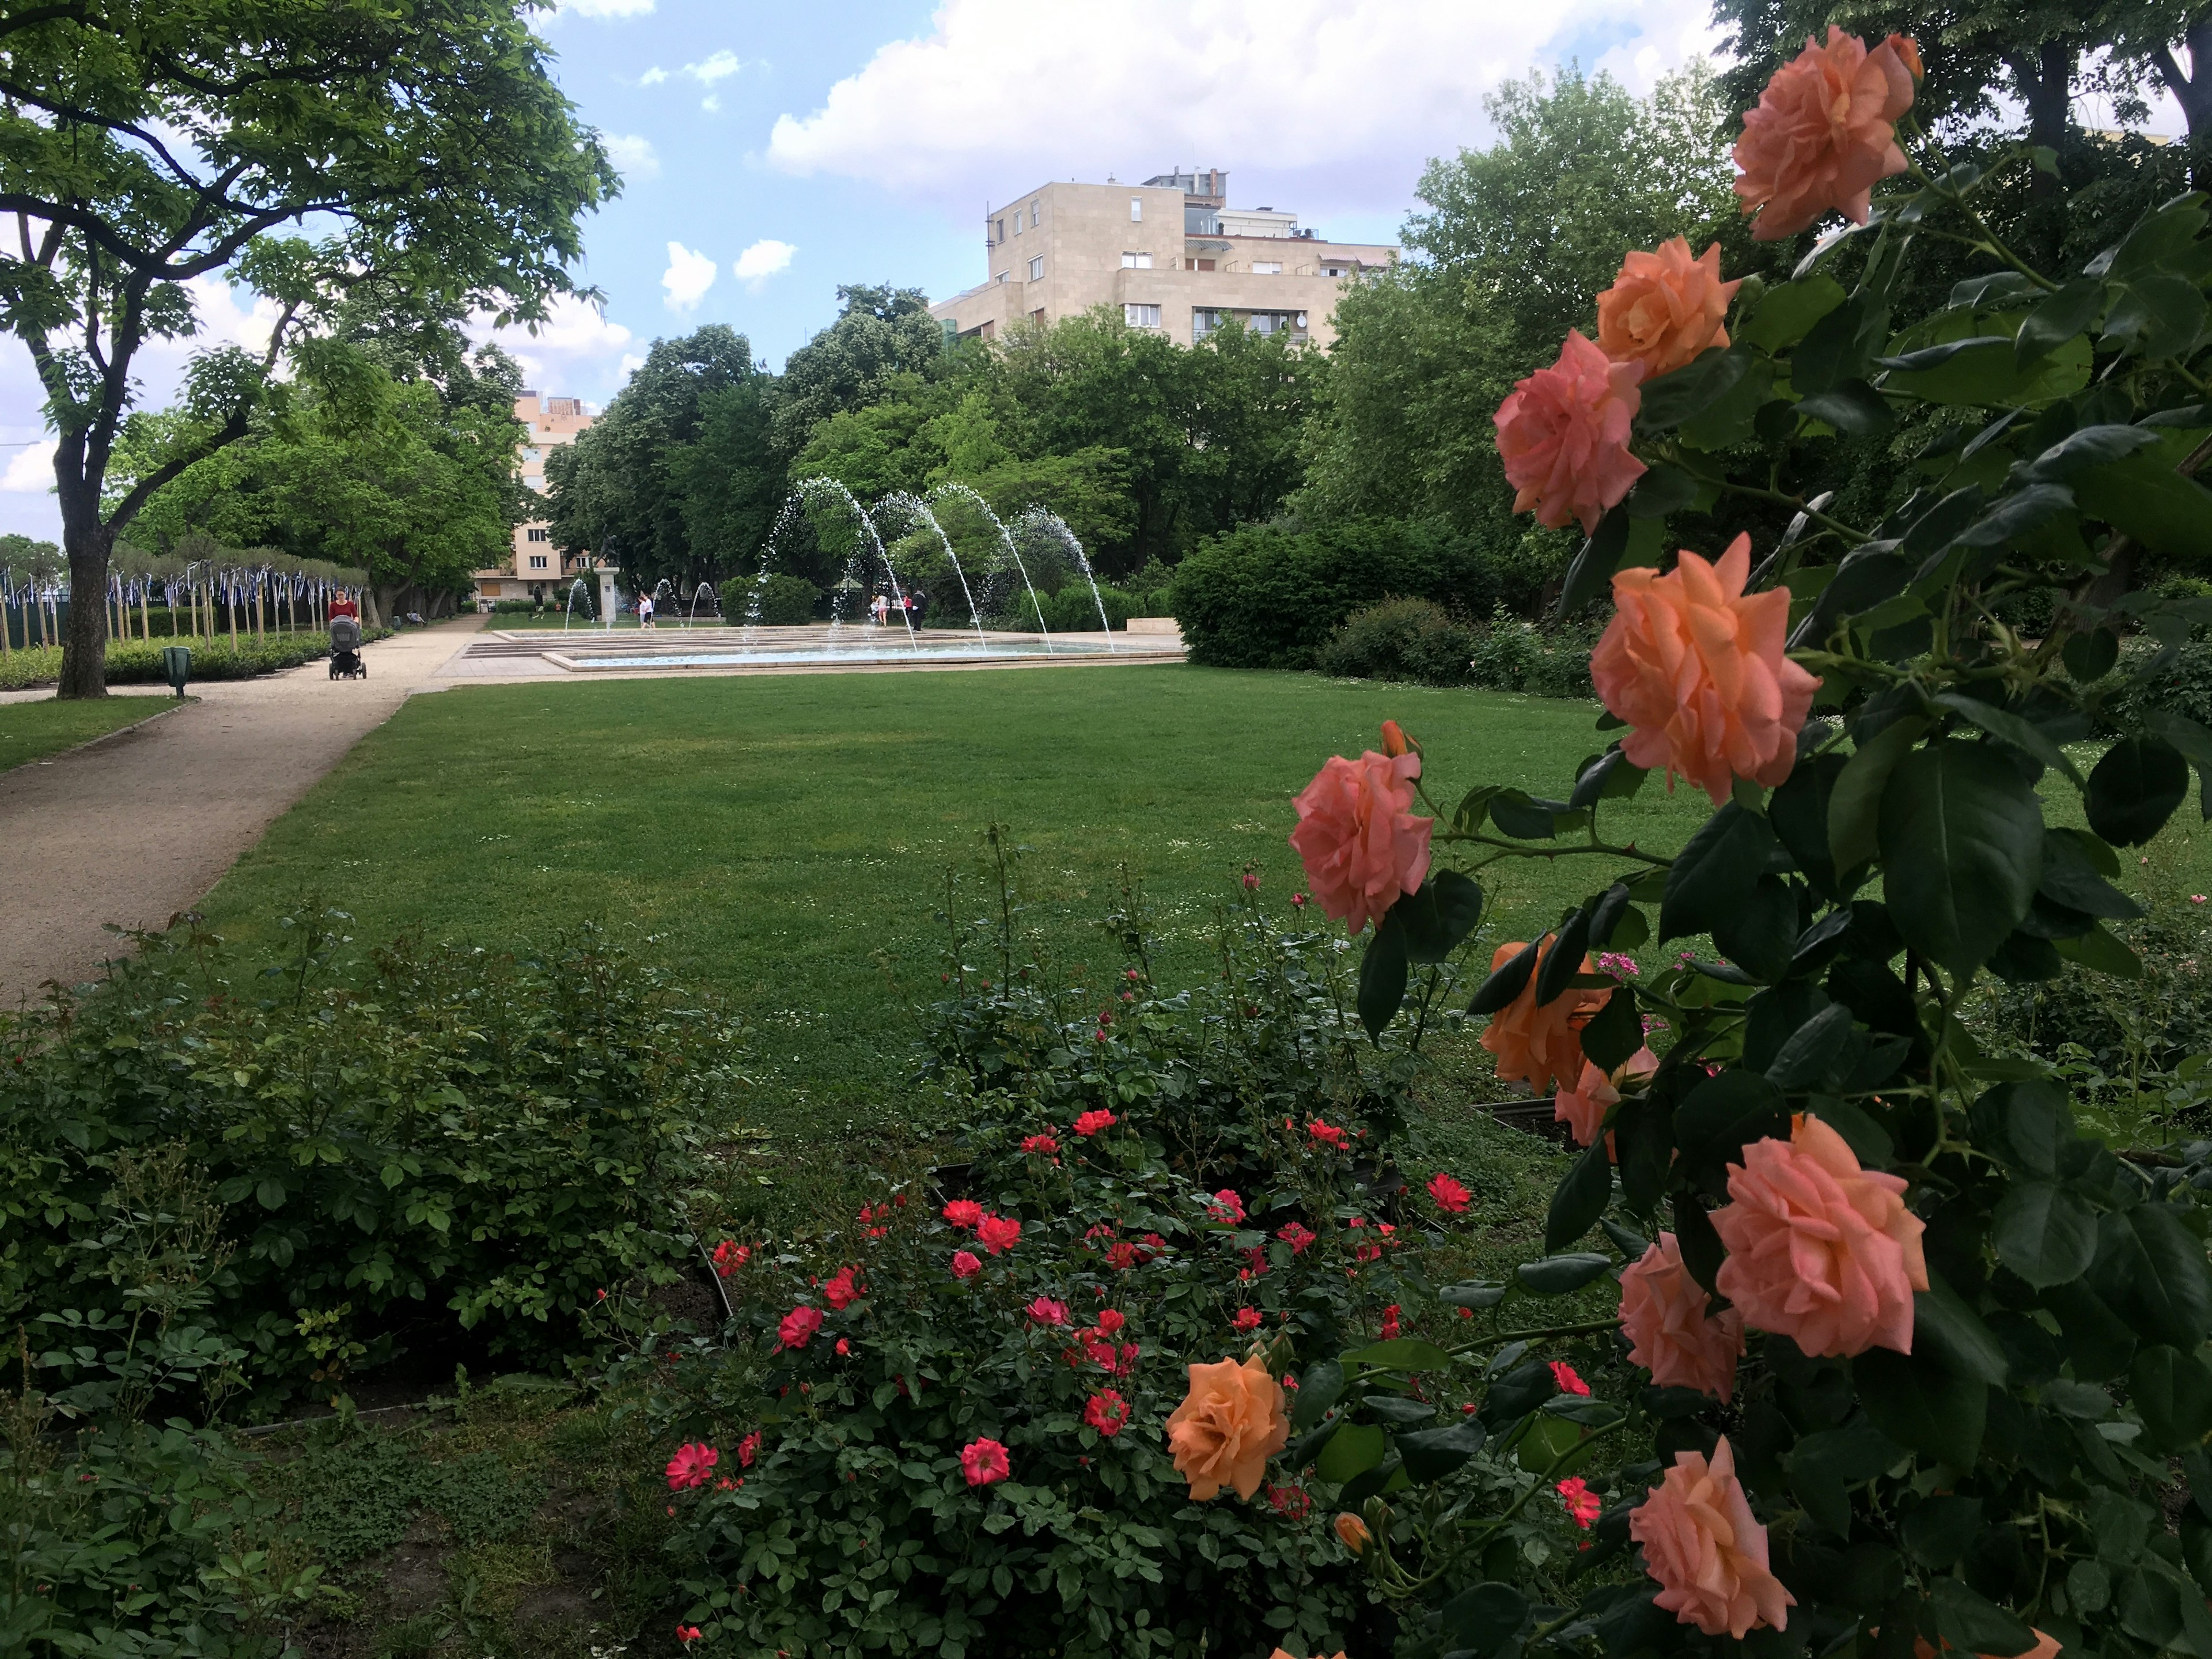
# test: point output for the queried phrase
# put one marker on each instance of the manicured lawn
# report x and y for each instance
(772, 834)
(33, 731)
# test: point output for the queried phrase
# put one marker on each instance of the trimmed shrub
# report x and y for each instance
(138, 662)
(1072, 610)
(785, 601)
(1401, 639)
(1513, 655)
(1263, 597)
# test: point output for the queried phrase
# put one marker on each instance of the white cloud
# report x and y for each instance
(603, 7)
(712, 104)
(688, 277)
(719, 67)
(632, 154)
(571, 350)
(30, 469)
(1336, 101)
(653, 76)
(762, 261)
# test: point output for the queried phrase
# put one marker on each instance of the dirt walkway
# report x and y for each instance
(138, 827)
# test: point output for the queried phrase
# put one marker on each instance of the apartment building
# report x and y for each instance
(1170, 254)
(537, 569)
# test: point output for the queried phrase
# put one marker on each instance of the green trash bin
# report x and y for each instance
(177, 663)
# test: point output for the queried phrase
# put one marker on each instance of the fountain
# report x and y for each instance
(569, 610)
(900, 529)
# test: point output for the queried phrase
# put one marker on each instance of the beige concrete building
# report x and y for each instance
(1170, 254)
(537, 568)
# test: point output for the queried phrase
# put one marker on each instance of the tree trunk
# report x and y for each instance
(2043, 79)
(2193, 92)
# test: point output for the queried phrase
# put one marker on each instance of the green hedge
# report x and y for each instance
(138, 662)
(1264, 596)
(785, 601)
(1401, 639)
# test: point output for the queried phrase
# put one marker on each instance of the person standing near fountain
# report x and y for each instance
(645, 610)
(880, 609)
(920, 606)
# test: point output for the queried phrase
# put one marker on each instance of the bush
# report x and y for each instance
(1401, 639)
(1263, 597)
(432, 1142)
(1074, 611)
(1512, 655)
(785, 601)
(138, 662)
(2183, 686)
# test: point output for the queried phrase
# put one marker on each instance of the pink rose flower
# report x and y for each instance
(1296, 1236)
(1582, 1107)
(1106, 1411)
(1246, 1319)
(799, 1326)
(998, 1232)
(1040, 1144)
(1451, 1198)
(842, 1290)
(691, 1464)
(1696, 670)
(1584, 1505)
(1662, 1311)
(1226, 1207)
(1326, 1134)
(1361, 845)
(1563, 434)
(1823, 133)
(1092, 1122)
(966, 1264)
(1709, 1555)
(963, 1212)
(984, 1462)
(1046, 1311)
(749, 1449)
(1568, 1380)
(1819, 1250)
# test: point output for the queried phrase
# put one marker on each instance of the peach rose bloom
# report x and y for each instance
(1228, 1427)
(1709, 1555)
(1665, 307)
(1819, 1250)
(1563, 434)
(1662, 1311)
(1696, 668)
(1823, 133)
(1353, 1530)
(1360, 846)
(1582, 1107)
(1539, 1047)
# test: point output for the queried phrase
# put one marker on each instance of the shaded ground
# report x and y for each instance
(36, 725)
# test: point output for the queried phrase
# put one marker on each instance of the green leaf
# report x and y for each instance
(2144, 497)
(1565, 960)
(2091, 446)
(1841, 345)
(1400, 1353)
(1588, 576)
(2194, 744)
(1731, 418)
(1687, 392)
(2173, 1392)
(2100, 952)
(1954, 1334)
(1352, 1449)
(2010, 728)
(2151, 1271)
(1961, 838)
(1698, 1240)
(1506, 982)
(1473, 1294)
(1615, 1032)
(1660, 491)
(1789, 310)
(1383, 972)
(1432, 1454)
(1973, 1624)
(1481, 1621)
(1852, 407)
(1716, 871)
(1398, 1411)
(1516, 814)
(2070, 878)
(2066, 313)
(1318, 1389)
(1808, 1055)
(1855, 801)
(2135, 788)
(1823, 1465)
(269, 1192)
(2089, 657)
(1922, 1404)
(1581, 1198)
(1984, 373)
(1798, 810)
(2044, 1233)
(1559, 1275)
(2157, 314)
(1725, 1114)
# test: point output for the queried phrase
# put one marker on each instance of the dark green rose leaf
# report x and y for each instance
(1855, 798)
(2010, 728)
(1961, 839)
(1690, 389)
(2044, 1233)
(2089, 657)
(1809, 1053)
(1559, 1275)
(2060, 316)
(1382, 972)
(1400, 1353)
(1506, 982)
(1922, 1404)
(2098, 951)
(1481, 1621)
(1472, 1295)
(1953, 1335)
(2135, 788)
(2071, 878)
(1319, 1387)
(1432, 1454)
(1564, 959)
(2151, 1270)
(1976, 1624)
(1354, 1448)
(1724, 1114)
(1788, 311)
(1581, 1198)
(2173, 1392)
(1716, 871)
(1615, 1032)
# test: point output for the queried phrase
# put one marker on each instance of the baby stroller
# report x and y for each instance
(345, 649)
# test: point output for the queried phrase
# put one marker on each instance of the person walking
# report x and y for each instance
(645, 610)
(920, 606)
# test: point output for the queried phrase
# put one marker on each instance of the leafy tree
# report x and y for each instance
(882, 334)
(142, 145)
(1513, 243)
(623, 484)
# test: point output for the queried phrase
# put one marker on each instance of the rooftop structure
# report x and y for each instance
(1170, 254)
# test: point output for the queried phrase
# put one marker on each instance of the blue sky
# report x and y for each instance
(771, 152)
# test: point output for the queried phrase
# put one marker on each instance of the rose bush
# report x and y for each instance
(1903, 1360)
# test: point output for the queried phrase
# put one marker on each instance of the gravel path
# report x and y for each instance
(137, 827)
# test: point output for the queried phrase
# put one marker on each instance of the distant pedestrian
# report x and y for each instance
(645, 610)
(920, 606)
(882, 609)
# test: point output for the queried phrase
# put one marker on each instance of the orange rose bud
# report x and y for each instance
(1908, 53)
(1394, 740)
(1350, 1528)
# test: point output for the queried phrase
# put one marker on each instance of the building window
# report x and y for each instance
(1036, 269)
(532, 452)
(541, 535)
(1141, 316)
(1266, 267)
(1037, 316)
(1334, 271)
(1203, 322)
(1002, 276)
(1136, 209)
(1035, 209)
(1000, 230)
(537, 561)
(1136, 262)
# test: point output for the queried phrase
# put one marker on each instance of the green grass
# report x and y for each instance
(33, 731)
(772, 834)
